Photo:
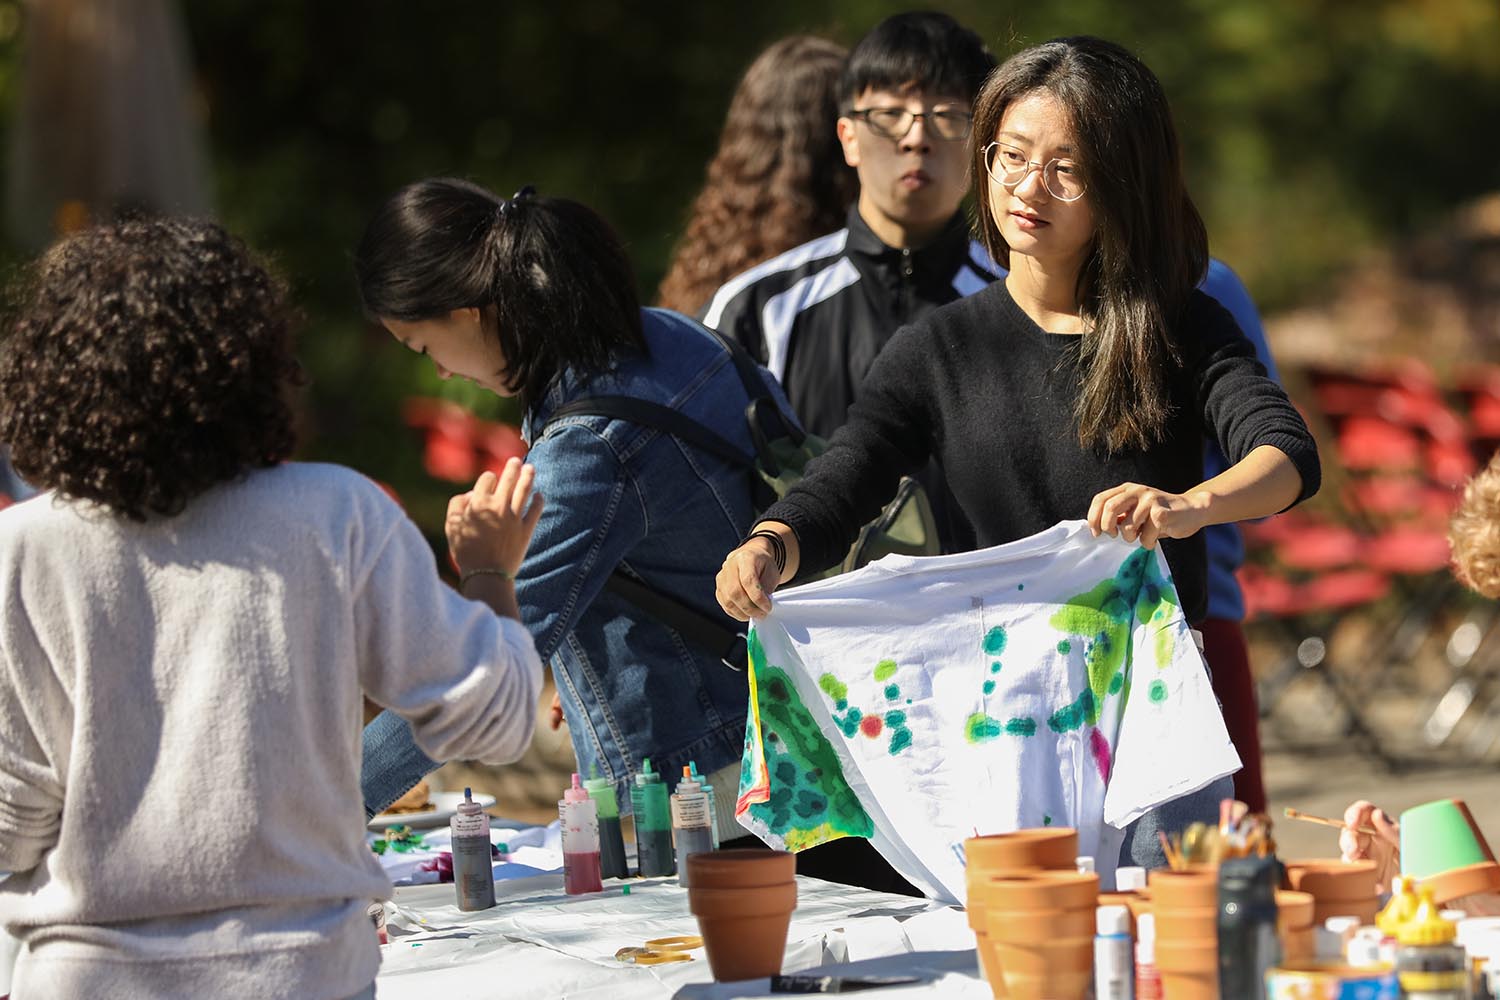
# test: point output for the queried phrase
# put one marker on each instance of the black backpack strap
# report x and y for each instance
(712, 633)
(762, 409)
(655, 415)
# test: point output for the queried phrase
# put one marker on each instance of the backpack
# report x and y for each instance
(782, 450)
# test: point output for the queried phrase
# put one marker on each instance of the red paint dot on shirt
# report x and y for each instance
(870, 725)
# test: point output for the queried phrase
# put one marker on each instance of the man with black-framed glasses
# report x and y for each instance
(818, 314)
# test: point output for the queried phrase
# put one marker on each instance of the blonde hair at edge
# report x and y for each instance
(1474, 532)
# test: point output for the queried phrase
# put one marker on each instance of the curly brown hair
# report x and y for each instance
(779, 178)
(1474, 532)
(150, 359)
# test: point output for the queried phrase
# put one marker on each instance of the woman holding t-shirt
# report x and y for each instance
(1081, 385)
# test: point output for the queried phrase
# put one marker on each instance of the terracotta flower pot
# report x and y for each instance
(1046, 847)
(1067, 983)
(1299, 944)
(1136, 902)
(1188, 971)
(1331, 880)
(740, 869)
(1193, 889)
(1039, 926)
(743, 901)
(1294, 910)
(1058, 970)
(1187, 925)
(1040, 890)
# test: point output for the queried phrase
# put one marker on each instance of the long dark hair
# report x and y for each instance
(1150, 249)
(548, 275)
(779, 178)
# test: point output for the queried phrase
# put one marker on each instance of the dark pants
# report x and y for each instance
(848, 861)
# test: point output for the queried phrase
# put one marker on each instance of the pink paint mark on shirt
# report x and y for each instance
(1100, 746)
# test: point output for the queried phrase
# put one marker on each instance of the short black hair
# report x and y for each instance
(548, 275)
(924, 49)
(150, 360)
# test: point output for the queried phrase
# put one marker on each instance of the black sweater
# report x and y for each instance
(991, 395)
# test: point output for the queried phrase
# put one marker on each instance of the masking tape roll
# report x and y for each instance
(682, 942)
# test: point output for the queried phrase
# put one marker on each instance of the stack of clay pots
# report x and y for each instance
(743, 901)
(1338, 888)
(1010, 854)
(1295, 925)
(1041, 933)
(1186, 909)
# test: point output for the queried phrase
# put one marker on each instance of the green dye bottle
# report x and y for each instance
(611, 842)
(653, 824)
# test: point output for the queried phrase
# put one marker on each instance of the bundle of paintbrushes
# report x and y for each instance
(1240, 834)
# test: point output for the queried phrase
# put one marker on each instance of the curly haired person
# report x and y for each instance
(1474, 535)
(778, 178)
(188, 622)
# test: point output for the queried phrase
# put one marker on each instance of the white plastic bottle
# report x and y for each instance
(1147, 975)
(1114, 971)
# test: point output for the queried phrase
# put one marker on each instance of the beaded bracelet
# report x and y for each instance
(778, 547)
(469, 574)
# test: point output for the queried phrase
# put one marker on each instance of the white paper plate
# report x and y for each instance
(444, 805)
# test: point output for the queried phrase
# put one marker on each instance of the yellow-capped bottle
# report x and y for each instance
(1429, 963)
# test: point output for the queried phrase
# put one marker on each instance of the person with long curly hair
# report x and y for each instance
(778, 179)
(188, 622)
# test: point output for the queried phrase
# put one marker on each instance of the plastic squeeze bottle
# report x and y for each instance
(1114, 969)
(1429, 965)
(653, 823)
(692, 822)
(713, 815)
(473, 877)
(611, 842)
(1148, 984)
(580, 840)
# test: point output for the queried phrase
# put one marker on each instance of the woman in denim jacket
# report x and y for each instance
(534, 297)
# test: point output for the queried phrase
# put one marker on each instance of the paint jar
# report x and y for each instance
(1130, 879)
(611, 842)
(1332, 939)
(1330, 981)
(473, 875)
(579, 817)
(1429, 964)
(653, 824)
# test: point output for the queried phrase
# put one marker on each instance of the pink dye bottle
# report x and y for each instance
(580, 840)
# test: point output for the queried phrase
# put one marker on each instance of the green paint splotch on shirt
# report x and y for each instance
(1103, 616)
(833, 687)
(884, 670)
(994, 641)
(1083, 710)
(808, 789)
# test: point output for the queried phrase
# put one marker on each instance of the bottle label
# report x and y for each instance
(477, 825)
(690, 810)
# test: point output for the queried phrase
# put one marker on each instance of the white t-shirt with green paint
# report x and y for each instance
(1049, 681)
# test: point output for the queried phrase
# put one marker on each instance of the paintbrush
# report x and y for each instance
(1291, 813)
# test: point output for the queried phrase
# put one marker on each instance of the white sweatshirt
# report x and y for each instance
(180, 721)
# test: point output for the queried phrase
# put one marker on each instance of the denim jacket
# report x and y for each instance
(621, 495)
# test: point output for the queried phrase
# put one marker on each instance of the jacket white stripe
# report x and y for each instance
(823, 246)
(780, 312)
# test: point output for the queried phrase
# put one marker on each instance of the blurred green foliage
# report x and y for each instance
(1314, 129)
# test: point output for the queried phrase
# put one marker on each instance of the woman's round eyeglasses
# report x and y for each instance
(1008, 166)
